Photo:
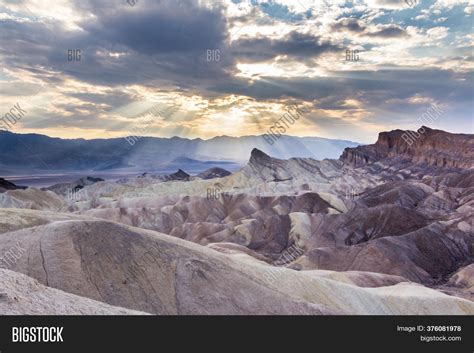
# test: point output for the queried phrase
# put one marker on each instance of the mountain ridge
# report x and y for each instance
(34, 152)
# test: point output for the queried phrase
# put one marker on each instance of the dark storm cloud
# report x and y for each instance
(163, 45)
(350, 24)
(388, 32)
(150, 34)
(375, 89)
(296, 45)
(159, 28)
(356, 26)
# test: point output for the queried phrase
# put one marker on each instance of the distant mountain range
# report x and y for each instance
(33, 153)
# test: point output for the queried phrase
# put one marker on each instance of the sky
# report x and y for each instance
(200, 69)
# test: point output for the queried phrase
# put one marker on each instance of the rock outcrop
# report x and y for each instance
(75, 186)
(213, 173)
(22, 295)
(424, 146)
(7, 185)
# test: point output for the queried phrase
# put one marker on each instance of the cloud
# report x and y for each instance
(388, 32)
(297, 46)
(359, 27)
(161, 28)
(349, 24)
(268, 56)
(388, 4)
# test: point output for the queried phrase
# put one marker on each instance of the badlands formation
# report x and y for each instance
(386, 229)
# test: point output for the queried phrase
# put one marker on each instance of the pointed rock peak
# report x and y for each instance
(426, 129)
(5, 184)
(179, 175)
(260, 159)
(256, 153)
(181, 172)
